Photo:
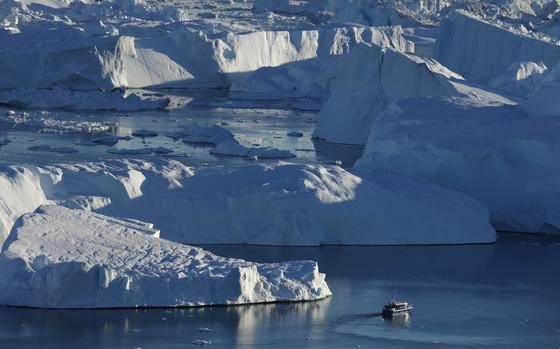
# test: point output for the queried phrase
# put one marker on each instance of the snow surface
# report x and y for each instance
(63, 258)
(276, 204)
(487, 149)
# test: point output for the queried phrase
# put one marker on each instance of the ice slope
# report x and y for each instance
(279, 204)
(544, 101)
(487, 149)
(64, 258)
(20, 192)
(520, 79)
(310, 78)
(480, 50)
(368, 80)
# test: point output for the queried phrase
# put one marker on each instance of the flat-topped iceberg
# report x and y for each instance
(64, 258)
(276, 204)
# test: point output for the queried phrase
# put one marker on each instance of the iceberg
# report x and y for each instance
(278, 204)
(480, 50)
(368, 80)
(232, 148)
(63, 258)
(490, 150)
(310, 78)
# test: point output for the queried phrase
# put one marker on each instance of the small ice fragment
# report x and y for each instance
(295, 134)
(200, 342)
(144, 133)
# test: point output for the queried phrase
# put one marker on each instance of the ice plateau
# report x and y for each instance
(58, 257)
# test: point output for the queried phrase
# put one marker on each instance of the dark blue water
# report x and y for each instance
(505, 295)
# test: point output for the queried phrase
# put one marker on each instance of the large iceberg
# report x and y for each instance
(58, 257)
(480, 50)
(276, 204)
(310, 78)
(369, 79)
(489, 149)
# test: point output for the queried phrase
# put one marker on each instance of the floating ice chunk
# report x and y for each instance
(46, 123)
(64, 258)
(211, 135)
(201, 342)
(48, 148)
(140, 151)
(144, 133)
(295, 134)
(232, 148)
(103, 139)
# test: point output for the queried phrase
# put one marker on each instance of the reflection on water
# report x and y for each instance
(500, 296)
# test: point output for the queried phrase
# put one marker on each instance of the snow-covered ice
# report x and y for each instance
(480, 50)
(273, 204)
(58, 257)
(368, 80)
(486, 149)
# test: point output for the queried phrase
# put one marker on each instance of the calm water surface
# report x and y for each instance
(505, 295)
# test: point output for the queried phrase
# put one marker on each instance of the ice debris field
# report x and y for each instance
(130, 129)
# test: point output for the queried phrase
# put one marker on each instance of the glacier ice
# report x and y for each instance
(273, 204)
(490, 150)
(368, 80)
(58, 257)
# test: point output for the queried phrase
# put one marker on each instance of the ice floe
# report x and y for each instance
(232, 148)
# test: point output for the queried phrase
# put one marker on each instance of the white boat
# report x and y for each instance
(394, 309)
